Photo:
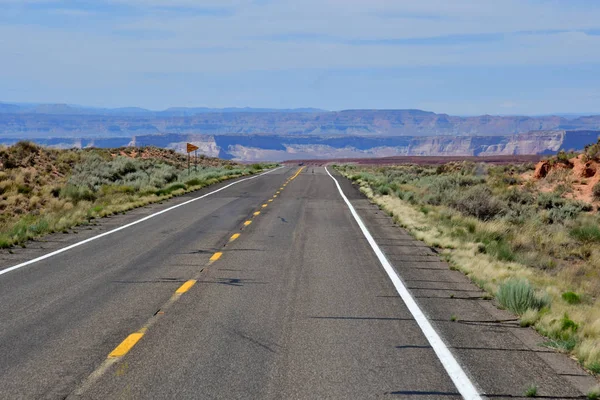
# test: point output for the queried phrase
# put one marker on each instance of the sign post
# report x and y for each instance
(190, 147)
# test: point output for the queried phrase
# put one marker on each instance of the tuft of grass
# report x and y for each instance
(531, 391)
(193, 182)
(453, 318)
(594, 367)
(170, 189)
(564, 345)
(519, 296)
(593, 393)
(571, 297)
(588, 233)
(384, 190)
(529, 318)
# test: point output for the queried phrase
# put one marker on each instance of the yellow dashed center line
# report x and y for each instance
(216, 256)
(126, 345)
(297, 173)
(270, 200)
(186, 286)
(256, 213)
(264, 205)
(234, 236)
(274, 196)
(247, 223)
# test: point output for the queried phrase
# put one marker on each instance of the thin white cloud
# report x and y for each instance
(260, 36)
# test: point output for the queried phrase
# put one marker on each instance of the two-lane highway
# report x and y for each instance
(270, 288)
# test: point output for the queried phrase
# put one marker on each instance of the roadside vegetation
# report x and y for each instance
(46, 190)
(530, 239)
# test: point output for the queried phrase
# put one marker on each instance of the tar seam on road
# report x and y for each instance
(454, 370)
(45, 256)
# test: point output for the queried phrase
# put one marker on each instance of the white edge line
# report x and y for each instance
(45, 256)
(454, 370)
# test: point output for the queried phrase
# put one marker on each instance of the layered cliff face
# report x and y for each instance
(287, 147)
(352, 122)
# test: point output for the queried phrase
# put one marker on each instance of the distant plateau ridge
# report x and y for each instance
(269, 134)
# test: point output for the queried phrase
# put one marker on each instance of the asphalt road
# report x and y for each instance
(249, 293)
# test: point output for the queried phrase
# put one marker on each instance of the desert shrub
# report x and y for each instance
(518, 214)
(567, 212)
(77, 193)
(383, 190)
(18, 155)
(511, 180)
(548, 201)
(596, 191)
(95, 172)
(519, 296)
(478, 202)
(563, 157)
(451, 181)
(518, 196)
(592, 152)
(24, 149)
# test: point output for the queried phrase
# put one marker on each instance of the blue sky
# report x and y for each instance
(459, 57)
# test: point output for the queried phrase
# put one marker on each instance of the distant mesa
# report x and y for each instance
(250, 134)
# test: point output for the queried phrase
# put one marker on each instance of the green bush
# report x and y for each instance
(519, 296)
(571, 297)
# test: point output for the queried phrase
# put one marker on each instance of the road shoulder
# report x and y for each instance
(500, 356)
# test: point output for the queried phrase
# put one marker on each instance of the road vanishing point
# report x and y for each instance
(285, 285)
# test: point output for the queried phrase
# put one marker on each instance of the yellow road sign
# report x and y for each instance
(191, 147)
